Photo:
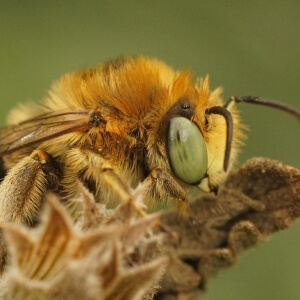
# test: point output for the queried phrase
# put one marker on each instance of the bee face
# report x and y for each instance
(119, 124)
(185, 141)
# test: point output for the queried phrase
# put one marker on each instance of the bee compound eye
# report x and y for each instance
(187, 150)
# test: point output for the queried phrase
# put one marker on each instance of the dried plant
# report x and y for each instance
(114, 254)
(100, 257)
(260, 198)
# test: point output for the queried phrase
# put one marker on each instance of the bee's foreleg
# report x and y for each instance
(164, 186)
(22, 189)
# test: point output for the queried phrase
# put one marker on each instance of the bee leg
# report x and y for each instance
(99, 175)
(164, 185)
(22, 189)
(117, 183)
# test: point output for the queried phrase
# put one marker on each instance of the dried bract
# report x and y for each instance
(59, 261)
(117, 254)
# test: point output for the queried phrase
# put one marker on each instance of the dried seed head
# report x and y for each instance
(105, 259)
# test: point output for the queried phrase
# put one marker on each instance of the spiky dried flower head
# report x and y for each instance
(103, 256)
(116, 254)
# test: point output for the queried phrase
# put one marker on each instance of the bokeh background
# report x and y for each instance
(248, 47)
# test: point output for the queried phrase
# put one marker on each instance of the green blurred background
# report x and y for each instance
(248, 47)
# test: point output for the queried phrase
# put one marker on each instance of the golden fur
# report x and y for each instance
(132, 96)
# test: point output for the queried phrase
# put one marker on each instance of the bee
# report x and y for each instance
(123, 122)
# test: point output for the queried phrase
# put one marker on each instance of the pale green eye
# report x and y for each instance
(187, 150)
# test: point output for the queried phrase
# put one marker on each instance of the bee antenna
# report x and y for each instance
(266, 102)
(223, 111)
